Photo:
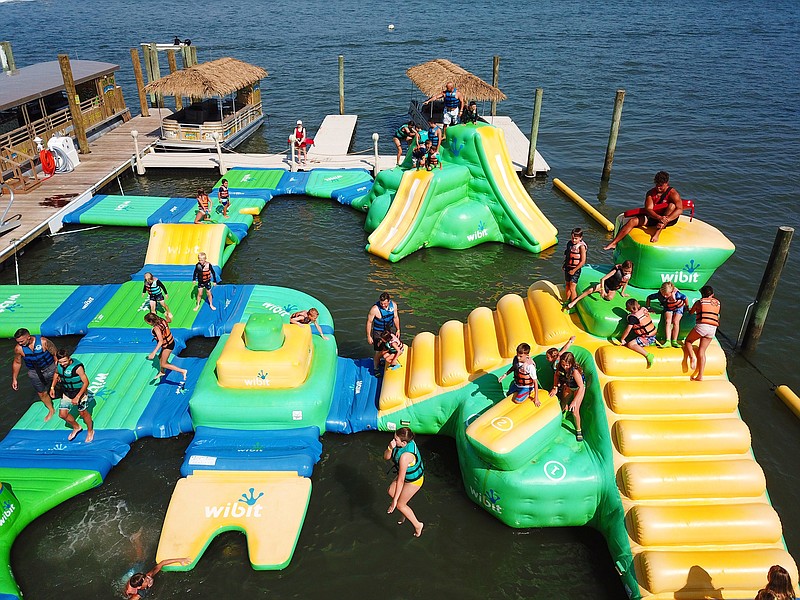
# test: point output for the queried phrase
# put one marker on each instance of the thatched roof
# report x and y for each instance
(209, 79)
(432, 76)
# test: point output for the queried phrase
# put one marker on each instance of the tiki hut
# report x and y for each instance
(225, 101)
(430, 77)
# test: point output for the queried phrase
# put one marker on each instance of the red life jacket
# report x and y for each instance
(166, 335)
(573, 254)
(521, 378)
(202, 201)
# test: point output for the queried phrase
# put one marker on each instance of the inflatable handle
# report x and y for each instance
(636, 212)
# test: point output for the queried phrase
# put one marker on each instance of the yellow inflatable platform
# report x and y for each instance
(268, 507)
(180, 243)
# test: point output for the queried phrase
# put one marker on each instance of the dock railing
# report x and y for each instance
(174, 130)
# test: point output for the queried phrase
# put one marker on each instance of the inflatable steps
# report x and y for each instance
(355, 399)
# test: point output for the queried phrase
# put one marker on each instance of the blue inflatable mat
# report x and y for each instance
(73, 316)
(348, 194)
(74, 217)
(167, 413)
(293, 183)
(172, 272)
(122, 340)
(236, 450)
(231, 301)
(355, 398)
(172, 211)
(51, 450)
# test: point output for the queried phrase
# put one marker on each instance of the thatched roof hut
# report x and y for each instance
(209, 79)
(430, 77)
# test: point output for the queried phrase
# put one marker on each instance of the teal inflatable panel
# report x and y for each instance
(29, 306)
(132, 211)
(284, 301)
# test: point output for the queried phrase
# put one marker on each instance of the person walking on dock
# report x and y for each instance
(662, 208)
(75, 385)
(38, 353)
(383, 316)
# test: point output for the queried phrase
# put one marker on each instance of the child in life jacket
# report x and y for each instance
(616, 280)
(419, 153)
(673, 302)
(432, 160)
(706, 311)
(206, 277)
(392, 348)
(568, 384)
(307, 317)
(525, 382)
(157, 292)
(224, 197)
(644, 329)
(574, 260)
(203, 207)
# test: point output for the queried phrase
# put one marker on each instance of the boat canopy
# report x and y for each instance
(213, 79)
(432, 76)
(43, 79)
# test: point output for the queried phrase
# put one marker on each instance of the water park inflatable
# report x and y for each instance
(665, 469)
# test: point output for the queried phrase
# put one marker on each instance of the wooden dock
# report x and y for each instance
(40, 208)
(334, 137)
(518, 145)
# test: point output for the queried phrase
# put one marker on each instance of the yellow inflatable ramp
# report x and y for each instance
(180, 243)
(269, 507)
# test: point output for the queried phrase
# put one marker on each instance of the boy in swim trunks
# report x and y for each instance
(615, 280)
(642, 325)
(75, 384)
(706, 311)
(206, 278)
(419, 153)
(525, 383)
(224, 197)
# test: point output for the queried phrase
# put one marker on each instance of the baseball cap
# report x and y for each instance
(299, 122)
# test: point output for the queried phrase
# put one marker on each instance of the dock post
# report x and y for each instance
(140, 170)
(537, 111)
(375, 138)
(292, 140)
(7, 57)
(495, 72)
(173, 66)
(137, 73)
(766, 291)
(148, 70)
(156, 70)
(341, 84)
(193, 52)
(612, 135)
(74, 105)
(222, 168)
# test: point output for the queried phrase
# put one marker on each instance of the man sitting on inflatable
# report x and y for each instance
(662, 207)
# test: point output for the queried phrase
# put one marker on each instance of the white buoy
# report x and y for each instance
(391, 26)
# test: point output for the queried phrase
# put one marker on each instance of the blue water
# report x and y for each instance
(712, 96)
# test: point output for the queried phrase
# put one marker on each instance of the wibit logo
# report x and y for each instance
(97, 387)
(490, 500)
(251, 507)
(10, 304)
(333, 178)
(261, 380)
(455, 148)
(688, 274)
(247, 177)
(124, 206)
(481, 232)
(278, 310)
(9, 508)
(144, 306)
(87, 302)
(257, 447)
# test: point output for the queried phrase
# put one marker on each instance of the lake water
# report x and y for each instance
(712, 96)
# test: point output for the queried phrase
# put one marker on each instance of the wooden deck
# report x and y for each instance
(518, 146)
(110, 155)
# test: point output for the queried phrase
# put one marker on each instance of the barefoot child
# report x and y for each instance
(643, 328)
(157, 291)
(615, 280)
(525, 382)
(165, 345)
(673, 302)
(206, 278)
(307, 317)
(574, 259)
(706, 310)
(392, 349)
(203, 207)
(568, 384)
(403, 452)
(224, 197)
(75, 384)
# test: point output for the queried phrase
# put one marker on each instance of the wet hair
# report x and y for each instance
(223, 181)
(21, 331)
(200, 192)
(577, 231)
(386, 335)
(136, 580)
(384, 296)
(765, 594)
(312, 313)
(666, 288)
(63, 353)
(404, 434)
(779, 582)
(428, 141)
(661, 177)
(633, 305)
(706, 291)
(152, 319)
(628, 264)
(551, 354)
(524, 348)
(571, 362)
(148, 276)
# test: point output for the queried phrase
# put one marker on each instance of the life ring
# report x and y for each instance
(636, 212)
(48, 162)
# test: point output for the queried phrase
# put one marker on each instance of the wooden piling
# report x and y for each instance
(148, 70)
(766, 291)
(341, 84)
(74, 105)
(495, 72)
(612, 136)
(537, 110)
(137, 74)
(156, 71)
(173, 66)
(193, 52)
(7, 57)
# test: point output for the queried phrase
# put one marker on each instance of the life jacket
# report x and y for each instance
(223, 193)
(70, 379)
(617, 279)
(645, 327)
(450, 99)
(572, 254)
(202, 202)
(433, 157)
(521, 378)
(414, 471)
(203, 274)
(433, 136)
(154, 289)
(391, 349)
(671, 304)
(166, 335)
(567, 379)
(386, 319)
(403, 132)
(38, 357)
(709, 312)
(419, 152)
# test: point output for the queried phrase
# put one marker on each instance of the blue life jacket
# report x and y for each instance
(415, 471)
(386, 320)
(450, 99)
(70, 380)
(39, 357)
(154, 289)
(433, 136)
